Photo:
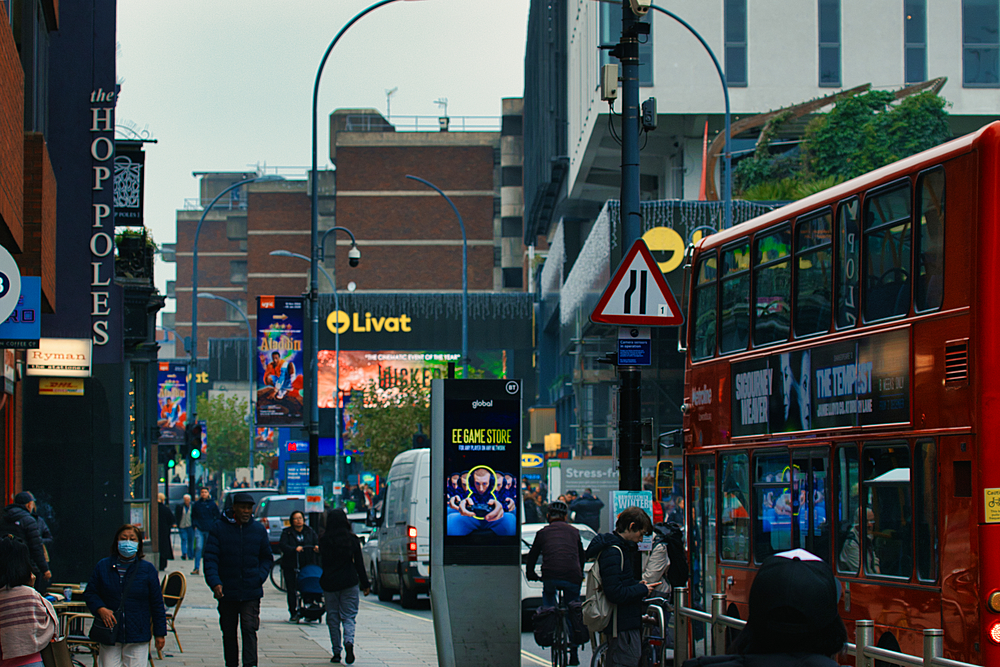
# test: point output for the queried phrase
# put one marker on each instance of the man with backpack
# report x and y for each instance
(18, 521)
(617, 556)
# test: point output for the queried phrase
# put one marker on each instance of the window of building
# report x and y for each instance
(512, 226)
(734, 303)
(915, 40)
(813, 274)
(887, 535)
(236, 229)
(233, 314)
(829, 43)
(238, 272)
(734, 525)
(848, 254)
(772, 287)
(980, 43)
(929, 286)
(510, 176)
(887, 248)
(609, 34)
(736, 42)
(513, 277)
(705, 309)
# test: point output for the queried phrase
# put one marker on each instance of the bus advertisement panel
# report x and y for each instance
(850, 383)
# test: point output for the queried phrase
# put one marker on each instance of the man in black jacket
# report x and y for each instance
(17, 520)
(204, 514)
(588, 509)
(237, 562)
(562, 560)
(618, 556)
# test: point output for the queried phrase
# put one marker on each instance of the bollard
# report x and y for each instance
(718, 629)
(864, 632)
(680, 626)
(933, 646)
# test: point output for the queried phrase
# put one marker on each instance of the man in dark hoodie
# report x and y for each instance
(237, 562)
(17, 520)
(794, 619)
(618, 555)
(587, 509)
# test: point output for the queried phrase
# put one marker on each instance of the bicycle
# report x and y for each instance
(562, 644)
(278, 575)
(654, 638)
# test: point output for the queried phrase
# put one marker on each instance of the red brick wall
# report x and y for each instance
(39, 257)
(11, 139)
(385, 168)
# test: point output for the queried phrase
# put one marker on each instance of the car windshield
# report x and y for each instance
(282, 507)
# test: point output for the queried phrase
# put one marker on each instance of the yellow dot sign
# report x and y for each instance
(665, 242)
(992, 505)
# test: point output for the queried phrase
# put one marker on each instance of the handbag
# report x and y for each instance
(101, 633)
(56, 653)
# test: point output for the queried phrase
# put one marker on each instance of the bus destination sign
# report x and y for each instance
(851, 383)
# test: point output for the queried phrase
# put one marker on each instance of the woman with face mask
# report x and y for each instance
(124, 594)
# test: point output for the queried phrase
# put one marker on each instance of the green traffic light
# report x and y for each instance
(171, 463)
(348, 458)
(195, 453)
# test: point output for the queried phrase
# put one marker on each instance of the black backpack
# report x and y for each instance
(672, 535)
(11, 526)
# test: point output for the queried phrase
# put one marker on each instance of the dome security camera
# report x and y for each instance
(354, 256)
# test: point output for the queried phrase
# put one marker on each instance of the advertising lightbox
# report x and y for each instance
(279, 360)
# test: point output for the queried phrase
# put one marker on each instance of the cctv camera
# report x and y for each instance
(354, 256)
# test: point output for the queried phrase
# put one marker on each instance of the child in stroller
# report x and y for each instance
(310, 607)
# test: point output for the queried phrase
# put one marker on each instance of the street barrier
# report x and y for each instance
(864, 650)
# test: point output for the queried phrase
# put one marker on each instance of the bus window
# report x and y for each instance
(705, 308)
(701, 530)
(848, 516)
(813, 263)
(734, 526)
(888, 531)
(773, 502)
(772, 287)
(887, 253)
(930, 252)
(735, 309)
(925, 510)
(810, 490)
(848, 244)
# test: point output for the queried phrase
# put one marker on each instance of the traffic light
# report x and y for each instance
(165, 454)
(420, 440)
(192, 442)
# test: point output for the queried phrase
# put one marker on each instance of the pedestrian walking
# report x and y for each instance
(124, 595)
(238, 561)
(165, 521)
(793, 617)
(18, 521)
(299, 547)
(185, 526)
(204, 514)
(618, 556)
(343, 579)
(27, 620)
(587, 510)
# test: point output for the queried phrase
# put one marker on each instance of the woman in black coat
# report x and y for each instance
(299, 545)
(166, 522)
(343, 579)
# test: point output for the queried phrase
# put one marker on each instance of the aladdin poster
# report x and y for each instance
(171, 398)
(279, 360)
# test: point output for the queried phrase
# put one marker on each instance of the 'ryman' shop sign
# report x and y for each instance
(102, 245)
(60, 357)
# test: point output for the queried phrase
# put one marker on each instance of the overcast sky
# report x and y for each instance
(226, 85)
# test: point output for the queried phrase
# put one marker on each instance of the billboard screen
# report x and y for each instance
(279, 360)
(171, 398)
(482, 463)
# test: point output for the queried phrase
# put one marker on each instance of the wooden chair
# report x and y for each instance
(174, 589)
(74, 629)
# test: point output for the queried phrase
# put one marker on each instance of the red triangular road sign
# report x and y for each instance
(638, 294)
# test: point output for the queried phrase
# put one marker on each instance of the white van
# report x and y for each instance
(404, 527)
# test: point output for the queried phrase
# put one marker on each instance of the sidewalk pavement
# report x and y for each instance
(385, 637)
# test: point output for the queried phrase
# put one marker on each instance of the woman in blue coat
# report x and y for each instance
(143, 609)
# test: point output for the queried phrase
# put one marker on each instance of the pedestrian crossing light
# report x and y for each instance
(348, 459)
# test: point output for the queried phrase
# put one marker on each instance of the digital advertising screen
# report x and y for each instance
(280, 361)
(171, 399)
(482, 464)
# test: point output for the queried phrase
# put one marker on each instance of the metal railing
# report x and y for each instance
(864, 650)
(373, 123)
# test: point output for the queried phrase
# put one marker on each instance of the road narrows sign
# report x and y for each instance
(638, 294)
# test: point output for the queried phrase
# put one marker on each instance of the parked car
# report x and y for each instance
(531, 591)
(273, 512)
(405, 519)
(369, 553)
(257, 493)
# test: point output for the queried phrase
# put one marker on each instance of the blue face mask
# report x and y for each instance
(128, 548)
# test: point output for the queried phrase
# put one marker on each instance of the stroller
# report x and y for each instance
(310, 607)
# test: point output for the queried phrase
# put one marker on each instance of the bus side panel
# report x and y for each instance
(959, 549)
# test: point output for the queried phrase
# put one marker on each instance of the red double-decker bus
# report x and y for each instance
(842, 395)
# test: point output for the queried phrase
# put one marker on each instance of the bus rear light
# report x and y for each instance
(995, 632)
(993, 602)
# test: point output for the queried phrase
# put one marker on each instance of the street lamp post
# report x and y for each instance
(193, 363)
(465, 275)
(250, 357)
(315, 258)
